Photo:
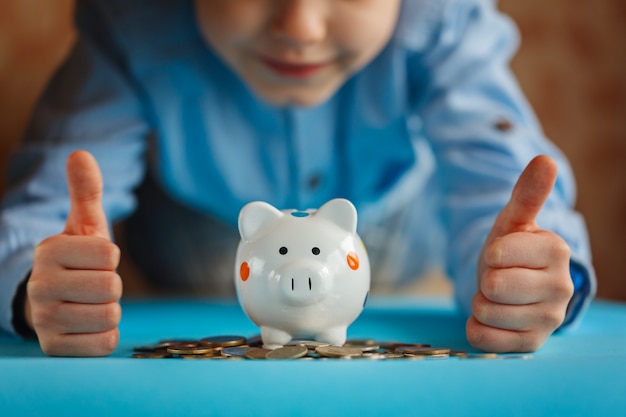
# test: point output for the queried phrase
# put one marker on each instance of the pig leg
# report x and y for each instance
(274, 338)
(336, 336)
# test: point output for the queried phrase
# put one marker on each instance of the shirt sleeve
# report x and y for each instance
(89, 104)
(484, 133)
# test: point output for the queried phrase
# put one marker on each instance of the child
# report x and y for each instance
(194, 108)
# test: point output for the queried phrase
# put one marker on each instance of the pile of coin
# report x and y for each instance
(239, 347)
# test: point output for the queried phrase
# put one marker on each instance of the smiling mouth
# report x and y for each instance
(292, 70)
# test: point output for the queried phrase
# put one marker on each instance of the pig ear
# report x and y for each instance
(254, 216)
(341, 212)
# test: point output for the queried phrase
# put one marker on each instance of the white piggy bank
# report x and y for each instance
(301, 273)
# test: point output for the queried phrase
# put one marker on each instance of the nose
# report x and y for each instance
(304, 283)
(299, 22)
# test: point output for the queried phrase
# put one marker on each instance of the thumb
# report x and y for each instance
(529, 195)
(86, 216)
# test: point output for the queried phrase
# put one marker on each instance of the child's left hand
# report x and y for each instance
(524, 283)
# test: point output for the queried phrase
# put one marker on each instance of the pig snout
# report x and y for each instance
(304, 282)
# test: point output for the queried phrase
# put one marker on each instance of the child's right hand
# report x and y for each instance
(73, 293)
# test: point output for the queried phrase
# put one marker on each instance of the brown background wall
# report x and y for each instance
(572, 66)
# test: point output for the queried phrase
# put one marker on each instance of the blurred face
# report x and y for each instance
(296, 52)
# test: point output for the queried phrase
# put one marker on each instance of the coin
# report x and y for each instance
(223, 341)
(423, 350)
(256, 341)
(351, 342)
(239, 351)
(189, 349)
(486, 355)
(287, 352)
(151, 355)
(238, 347)
(338, 351)
(311, 344)
(152, 348)
(257, 353)
(363, 347)
(392, 345)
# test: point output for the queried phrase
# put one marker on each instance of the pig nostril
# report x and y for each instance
(309, 283)
(291, 284)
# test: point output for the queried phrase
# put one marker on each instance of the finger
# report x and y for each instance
(82, 344)
(78, 252)
(78, 286)
(84, 180)
(525, 286)
(491, 339)
(529, 194)
(525, 317)
(67, 318)
(528, 250)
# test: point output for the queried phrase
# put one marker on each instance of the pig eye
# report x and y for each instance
(315, 250)
(282, 250)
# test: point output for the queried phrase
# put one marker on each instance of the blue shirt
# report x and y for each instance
(438, 105)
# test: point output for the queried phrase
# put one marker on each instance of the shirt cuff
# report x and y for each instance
(584, 291)
(20, 326)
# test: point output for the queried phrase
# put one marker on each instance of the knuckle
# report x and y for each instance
(45, 250)
(493, 253)
(552, 318)
(473, 332)
(45, 316)
(529, 342)
(36, 288)
(491, 284)
(561, 249)
(564, 288)
(111, 315)
(109, 341)
(111, 253)
(480, 310)
(111, 286)
(50, 345)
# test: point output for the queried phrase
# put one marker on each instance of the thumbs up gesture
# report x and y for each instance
(73, 291)
(524, 283)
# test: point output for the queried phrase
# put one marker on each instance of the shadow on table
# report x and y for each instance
(437, 328)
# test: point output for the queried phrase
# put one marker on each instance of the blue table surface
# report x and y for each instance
(581, 372)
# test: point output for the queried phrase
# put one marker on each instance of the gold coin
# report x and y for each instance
(151, 355)
(363, 347)
(257, 353)
(151, 348)
(287, 352)
(458, 353)
(210, 357)
(394, 355)
(190, 350)
(223, 341)
(338, 351)
(436, 356)
(423, 350)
